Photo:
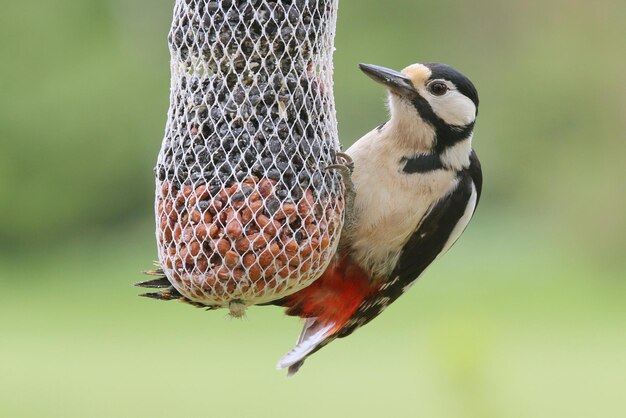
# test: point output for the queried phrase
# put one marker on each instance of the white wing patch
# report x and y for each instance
(462, 223)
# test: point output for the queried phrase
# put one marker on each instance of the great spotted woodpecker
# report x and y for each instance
(416, 184)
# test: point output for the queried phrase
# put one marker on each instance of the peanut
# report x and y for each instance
(284, 272)
(202, 263)
(239, 274)
(288, 212)
(201, 193)
(295, 261)
(187, 189)
(213, 230)
(179, 202)
(231, 259)
(254, 197)
(234, 229)
(246, 214)
(196, 216)
(265, 258)
(188, 234)
(242, 244)
(275, 249)
(209, 281)
(325, 242)
(255, 272)
(259, 240)
(291, 248)
(185, 256)
(260, 286)
(178, 230)
(165, 188)
(222, 273)
(201, 232)
(267, 225)
(233, 189)
(305, 267)
(306, 203)
(248, 260)
(265, 187)
(194, 248)
(222, 246)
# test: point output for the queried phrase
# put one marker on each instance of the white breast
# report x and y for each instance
(389, 204)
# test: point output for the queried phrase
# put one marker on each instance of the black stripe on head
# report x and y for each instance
(447, 135)
(462, 83)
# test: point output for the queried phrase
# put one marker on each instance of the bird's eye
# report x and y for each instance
(438, 88)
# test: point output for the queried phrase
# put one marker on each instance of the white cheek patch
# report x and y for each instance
(453, 107)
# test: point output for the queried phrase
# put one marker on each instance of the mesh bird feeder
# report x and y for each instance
(246, 210)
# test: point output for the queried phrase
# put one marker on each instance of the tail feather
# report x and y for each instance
(327, 305)
(159, 283)
(167, 294)
(311, 337)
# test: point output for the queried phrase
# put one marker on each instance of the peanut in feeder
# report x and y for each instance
(246, 210)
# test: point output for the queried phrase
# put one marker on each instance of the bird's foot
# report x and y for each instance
(345, 167)
(344, 164)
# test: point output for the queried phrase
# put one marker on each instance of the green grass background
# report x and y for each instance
(525, 317)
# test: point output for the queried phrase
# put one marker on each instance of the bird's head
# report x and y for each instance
(433, 103)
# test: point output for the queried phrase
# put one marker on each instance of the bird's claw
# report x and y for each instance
(344, 163)
(345, 166)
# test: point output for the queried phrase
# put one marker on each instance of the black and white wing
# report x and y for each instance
(439, 229)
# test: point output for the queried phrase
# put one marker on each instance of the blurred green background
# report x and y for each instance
(525, 317)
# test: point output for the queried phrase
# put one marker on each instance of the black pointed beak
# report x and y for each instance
(394, 80)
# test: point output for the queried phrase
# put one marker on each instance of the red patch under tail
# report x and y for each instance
(334, 297)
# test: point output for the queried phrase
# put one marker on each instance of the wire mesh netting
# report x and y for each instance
(245, 209)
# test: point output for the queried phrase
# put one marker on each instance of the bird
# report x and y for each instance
(414, 184)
